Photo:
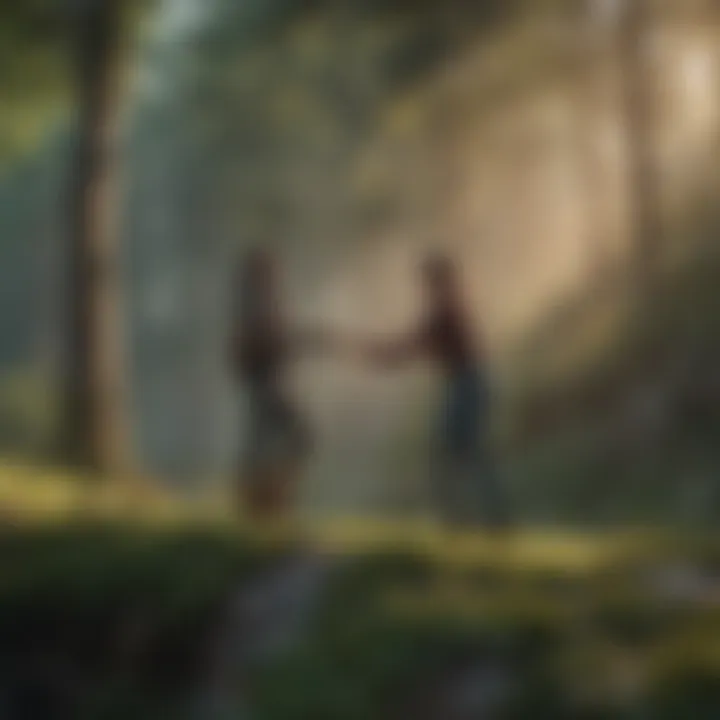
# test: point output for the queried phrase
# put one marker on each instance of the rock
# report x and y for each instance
(480, 692)
(271, 615)
(264, 620)
(685, 583)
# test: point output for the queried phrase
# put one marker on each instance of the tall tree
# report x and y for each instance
(93, 422)
(51, 42)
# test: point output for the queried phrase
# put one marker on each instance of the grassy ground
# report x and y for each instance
(110, 601)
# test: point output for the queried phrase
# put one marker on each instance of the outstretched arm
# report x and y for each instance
(388, 353)
(313, 340)
(395, 352)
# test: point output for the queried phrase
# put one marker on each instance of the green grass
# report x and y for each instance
(127, 590)
(132, 609)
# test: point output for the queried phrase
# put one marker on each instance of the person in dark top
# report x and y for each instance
(465, 483)
(262, 347)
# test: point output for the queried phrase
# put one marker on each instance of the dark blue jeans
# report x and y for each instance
(466, 485)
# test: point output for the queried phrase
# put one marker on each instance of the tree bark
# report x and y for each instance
(644, 193)
(93, 430)
(591, 59)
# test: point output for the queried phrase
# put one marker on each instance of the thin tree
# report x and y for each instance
(643, 180)
(590, 57)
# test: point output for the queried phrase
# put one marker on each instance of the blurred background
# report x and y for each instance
(565, 151)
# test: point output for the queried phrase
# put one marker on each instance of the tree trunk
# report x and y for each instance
(644, 192)
(590, 57)
(93, 430)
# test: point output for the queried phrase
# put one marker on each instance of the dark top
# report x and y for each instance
(259, 343)
(447, 337)
(259, 358)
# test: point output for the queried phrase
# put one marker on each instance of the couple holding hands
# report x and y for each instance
(466, 488)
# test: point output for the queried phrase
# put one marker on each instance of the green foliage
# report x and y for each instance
(26, 413)
(132, 610)
(597, 453)
(36, 39)
(34, 86)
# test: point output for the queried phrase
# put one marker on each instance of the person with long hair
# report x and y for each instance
(263, 344)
